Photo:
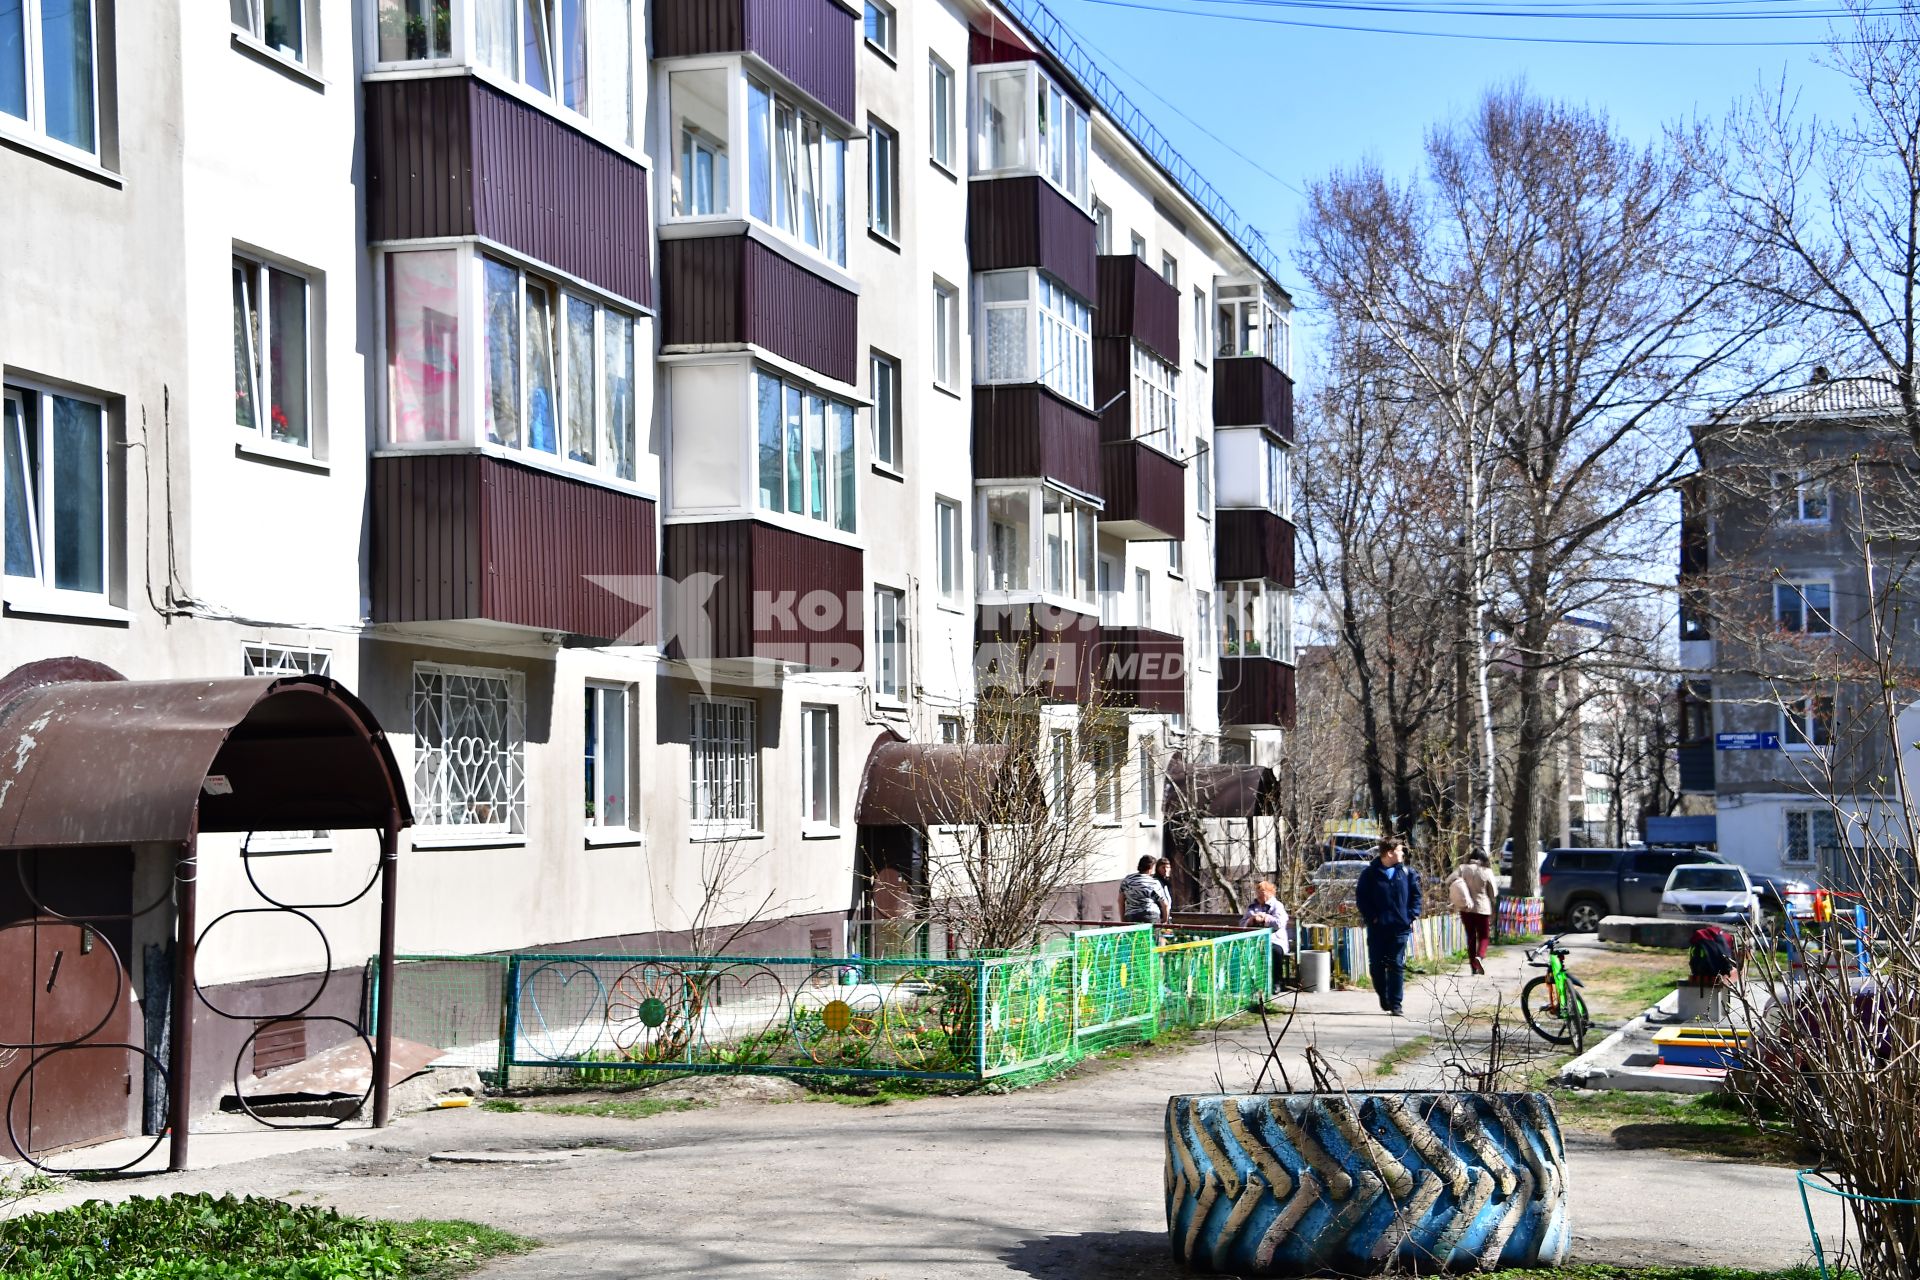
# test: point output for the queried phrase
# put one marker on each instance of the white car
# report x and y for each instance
(1330, 889)
(1711, 893)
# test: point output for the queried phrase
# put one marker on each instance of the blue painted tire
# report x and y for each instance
(1294, 1184)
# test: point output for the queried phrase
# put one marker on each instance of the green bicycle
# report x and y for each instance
(1552, 1004)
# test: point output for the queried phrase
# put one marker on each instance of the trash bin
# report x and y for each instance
(1316, 972)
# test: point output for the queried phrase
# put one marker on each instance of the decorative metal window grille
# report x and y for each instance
(470, 748)
(725, 767)
(287, 660)
(1809, 832)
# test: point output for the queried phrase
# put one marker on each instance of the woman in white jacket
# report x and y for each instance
(1471, 892)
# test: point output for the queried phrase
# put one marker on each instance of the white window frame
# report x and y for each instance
(1137, 245)
(1203, 479)
(1074, 177)
(1143, 599)
(950, 550)
(598, 694)
(1156, 402)
(1202, 308)
(255, 283)
(946, 335)
(819, 795)
(952, 729)
(1808, 854)
(889, 437)
(1801, 494)
(941, 117)
(1080, 554)
(1801, 722)
(1170, 269)
(512, 753)
(883, 181)
(732, 764)
(1102, 229)
(1106, 754)
(1176, 558)
(1278, 482)
(1059, 772)
(253, 22)
(839, 510)
(1109, 588)
(39, 592)
(1147, 767)
(1248, 321)
(34, 124)
(892, 659)
(1793, 593)
(882, 35)
(1270, 607)
(1206, 642)
(1057, 328)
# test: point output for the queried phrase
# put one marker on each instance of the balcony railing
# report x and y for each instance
(1143, 668)
(1256, 691)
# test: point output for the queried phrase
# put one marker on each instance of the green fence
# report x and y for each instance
(964, 1019)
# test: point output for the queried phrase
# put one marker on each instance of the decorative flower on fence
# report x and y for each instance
(836, 1024)
(652, 1011)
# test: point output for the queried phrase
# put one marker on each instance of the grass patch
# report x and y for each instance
(1401, 1054)
(203, 1237)
(606, 1108)
(1711, 1124)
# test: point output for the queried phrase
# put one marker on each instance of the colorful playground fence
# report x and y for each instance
(1435, 938)
(957, 1019)
(1519, 918)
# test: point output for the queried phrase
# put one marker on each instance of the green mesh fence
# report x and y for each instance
(1009, 1017)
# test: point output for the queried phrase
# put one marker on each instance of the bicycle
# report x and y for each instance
(1551, 1003)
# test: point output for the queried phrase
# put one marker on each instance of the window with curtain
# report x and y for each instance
(1156, 402)
(1032, 330)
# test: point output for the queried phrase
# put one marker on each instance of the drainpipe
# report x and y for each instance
(186, 877)
(383, 1011)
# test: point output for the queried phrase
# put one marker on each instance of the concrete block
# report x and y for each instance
(1695, 1006)
(1643, 932)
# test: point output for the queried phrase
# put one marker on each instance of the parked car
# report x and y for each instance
(1581, 886)
(1347, 846)
(1783, 895)
(1330, 889)
(1506, 856)
(1710, 893)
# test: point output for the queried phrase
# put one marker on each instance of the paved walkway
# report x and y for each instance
(1063, 1180)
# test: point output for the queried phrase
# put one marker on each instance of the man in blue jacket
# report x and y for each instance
(1388, 896)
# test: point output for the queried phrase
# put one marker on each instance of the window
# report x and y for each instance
(1142, 598)
(1279, 479)
(887, 443)
(807, 452)
(608, 752)
(1102, 229)
(1598, 798)
(1256, 620)
(1203, 628)
(423, 348)
(1156, 401)
(1177, 558)
(278, 24)
(1807, 722)
(414, 31)
(56, 493)
(1064, 549)
(1060, 771)
(1170, 270)
(796, 173)
(946, 334)
(272, 353)
(1149, 771)
(1810, 833)
(819, 767)
(1249, 323)
(950, 729)
(1801, 500)
(702, 176)
(1107, 753)
(890, 644)
(47, 70)
(1110, 589)
(1031, 329)
(266, 659)
(724, 765)
(1203, 479)
(469, 749)
(940, 108)
(1139, 246)
(1200, 310)
(1804, 607)
(883, 179)
(881, 26)
(947, 536)
(1026, 124)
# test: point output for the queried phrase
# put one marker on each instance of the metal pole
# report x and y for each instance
(383, 1011)
(186, 877)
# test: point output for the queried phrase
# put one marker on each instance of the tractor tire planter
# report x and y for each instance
(1297, 1184)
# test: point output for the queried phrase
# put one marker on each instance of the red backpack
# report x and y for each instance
(1710, 956)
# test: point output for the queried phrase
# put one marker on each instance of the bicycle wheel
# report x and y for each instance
(1555, 1026)
(1582, 1023)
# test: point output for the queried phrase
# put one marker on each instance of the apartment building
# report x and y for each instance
(1776, 713)
(648, 410)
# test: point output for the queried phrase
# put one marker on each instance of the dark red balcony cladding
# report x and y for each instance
(813, 43)
(777, 595)
(1137, 303)
(1036, 650)
(1256, 691)
(470, 537)
(729, 289)
(1026, 222)
(1252, 544)
(1026, 432)
(1141, 668)
(453, 156)
(1145, 492)
(1251, 391)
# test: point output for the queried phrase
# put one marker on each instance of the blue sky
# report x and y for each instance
(1305, 102)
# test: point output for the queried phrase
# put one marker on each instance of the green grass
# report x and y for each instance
(1401, 1054)
(202, 1237)
(1649, 989)
(606, 1108)
(1706, 1124)
(1610, 1271)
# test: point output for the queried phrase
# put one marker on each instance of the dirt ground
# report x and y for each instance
(1062, 1180)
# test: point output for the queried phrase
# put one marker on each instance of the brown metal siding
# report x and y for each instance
(1037, 649)
(1137, 304)
(766, 568)
(1251, 391)
(1113, 385)
(735, 289)
(471, 537)
(1252, 544)
(1137, 667)
(452, 156)
(1256, 691)
(813, 43)
(1143, 484)
(1024, 222)
(1025, 431)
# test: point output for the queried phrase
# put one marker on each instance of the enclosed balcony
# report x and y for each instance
(750, 590)
(1141, 668)
(813, 43)
(1145, 492)
(1251, 391)
(1253, 543)
(727, 290)
(1137, 304)
(1256, 692)
(1036, 650)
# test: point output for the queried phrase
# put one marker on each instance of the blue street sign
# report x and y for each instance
(1746, 742)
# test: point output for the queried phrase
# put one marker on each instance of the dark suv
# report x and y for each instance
(1583, 885)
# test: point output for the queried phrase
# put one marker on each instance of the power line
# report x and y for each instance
(1531, 9)
(1263, 20)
